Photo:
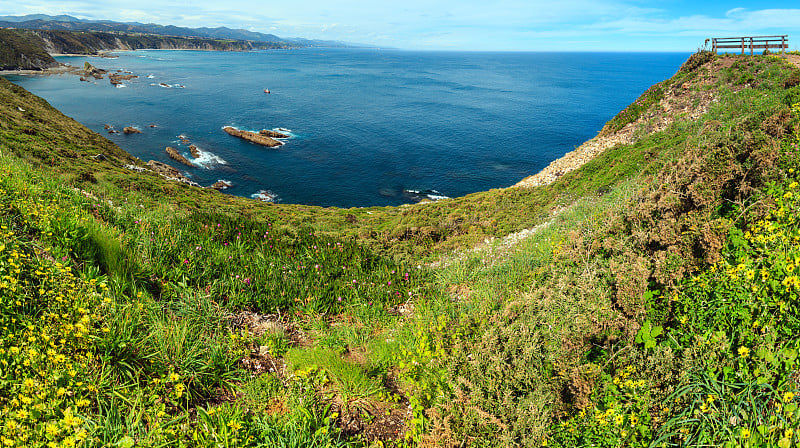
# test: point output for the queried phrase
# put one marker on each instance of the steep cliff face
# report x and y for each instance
(70, 42)
(23, 50)
(32, 50)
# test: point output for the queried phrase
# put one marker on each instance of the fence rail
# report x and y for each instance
(751, 42)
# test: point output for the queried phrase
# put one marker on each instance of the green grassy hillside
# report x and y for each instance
(648, 298)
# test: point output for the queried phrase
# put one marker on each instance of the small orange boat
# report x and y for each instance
(266, 91)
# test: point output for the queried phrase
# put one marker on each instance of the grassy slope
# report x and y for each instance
(116, 287)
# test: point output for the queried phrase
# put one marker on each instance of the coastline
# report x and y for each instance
(60, 70)
(679, 102)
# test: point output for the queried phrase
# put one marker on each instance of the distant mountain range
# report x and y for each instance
(70, 23)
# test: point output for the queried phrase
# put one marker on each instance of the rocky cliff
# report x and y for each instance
(32, 50)
(92, 42)
(22, 50)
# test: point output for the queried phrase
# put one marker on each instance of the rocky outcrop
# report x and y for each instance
(169, 172)
(117, 78)
(221, 185)
(272, 134)
(91, 70)
(195, 152)
(175, 155)
(253, 137)
(131, 130)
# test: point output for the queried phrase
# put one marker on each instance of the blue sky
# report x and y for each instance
(507, 25)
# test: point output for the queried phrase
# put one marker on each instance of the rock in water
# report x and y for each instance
(272, 134)
(131, 130)
(221, 185)
(175, 155)
(91, 70)
(195, 152)
(116, 78)
(252, 137)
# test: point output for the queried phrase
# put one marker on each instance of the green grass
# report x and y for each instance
(350, 379)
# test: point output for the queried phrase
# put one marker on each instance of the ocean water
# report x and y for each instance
(368, 127)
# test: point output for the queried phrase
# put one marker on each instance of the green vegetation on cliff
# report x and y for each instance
(92, 42)
(23, 50)
(648, 298)
(31, 50)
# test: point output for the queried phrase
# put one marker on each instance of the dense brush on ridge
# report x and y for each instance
(647, 298)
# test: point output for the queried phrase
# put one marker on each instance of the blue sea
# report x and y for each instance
(366, 126)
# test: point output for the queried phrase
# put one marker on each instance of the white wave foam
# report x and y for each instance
(288, 132)
(121, 86)
(227, 184)
(265, 196)
(208, 159)
(433, 195)
(150, 76)
(437, 197)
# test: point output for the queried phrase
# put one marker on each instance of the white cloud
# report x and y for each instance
(735, 11)
(466, 24)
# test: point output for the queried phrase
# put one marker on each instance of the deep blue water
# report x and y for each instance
(366, 124)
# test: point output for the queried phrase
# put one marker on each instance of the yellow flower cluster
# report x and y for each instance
(47, 326)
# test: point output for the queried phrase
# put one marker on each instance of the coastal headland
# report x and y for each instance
(32, 50)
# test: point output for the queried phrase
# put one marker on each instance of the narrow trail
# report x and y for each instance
(793, 59)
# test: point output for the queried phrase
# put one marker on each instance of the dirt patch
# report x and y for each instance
(259, 324)
(793, 59)
(221, 396)
(373, 422)
(261, 361)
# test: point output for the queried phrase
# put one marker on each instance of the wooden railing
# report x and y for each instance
(753, 43)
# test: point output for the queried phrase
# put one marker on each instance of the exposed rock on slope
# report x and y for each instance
(170, 172)
(688, 101)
